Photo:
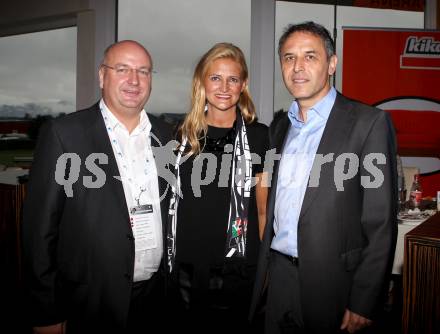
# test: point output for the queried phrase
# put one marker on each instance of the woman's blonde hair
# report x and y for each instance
(194, 127)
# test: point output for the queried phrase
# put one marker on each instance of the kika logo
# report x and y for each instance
(424, 45)
(421, 53)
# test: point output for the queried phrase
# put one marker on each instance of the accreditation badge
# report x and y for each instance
(142, 225)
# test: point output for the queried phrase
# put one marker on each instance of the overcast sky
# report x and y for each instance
(40, 67)
(177, 33)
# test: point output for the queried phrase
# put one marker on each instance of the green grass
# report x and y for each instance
(7, 157)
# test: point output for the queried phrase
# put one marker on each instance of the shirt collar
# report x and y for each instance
(144, 123)
(322, 108)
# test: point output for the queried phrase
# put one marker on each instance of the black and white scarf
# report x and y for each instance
(239, 202)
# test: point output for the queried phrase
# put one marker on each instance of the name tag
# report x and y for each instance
(142, 225)
(140, 209)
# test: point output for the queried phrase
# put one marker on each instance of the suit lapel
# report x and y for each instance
(102, 144)
(335, 134)
(279, 139)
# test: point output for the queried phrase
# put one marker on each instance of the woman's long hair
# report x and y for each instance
(194, 127)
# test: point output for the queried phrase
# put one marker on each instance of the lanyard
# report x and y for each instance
(121, 158)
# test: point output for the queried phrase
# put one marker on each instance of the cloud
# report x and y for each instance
(40, 69)
(177, 33)
(34, 109)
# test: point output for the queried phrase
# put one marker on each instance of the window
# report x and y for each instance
(177, 33)
(295, 12)
(40, 69)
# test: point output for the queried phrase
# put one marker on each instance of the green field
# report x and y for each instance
(15, 158)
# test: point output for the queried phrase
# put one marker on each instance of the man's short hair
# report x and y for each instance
(312, 28)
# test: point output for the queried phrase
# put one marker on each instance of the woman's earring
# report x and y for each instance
(206, 107)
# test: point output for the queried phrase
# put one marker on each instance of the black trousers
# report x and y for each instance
(283, 310)
(216, 303)
(147, 304)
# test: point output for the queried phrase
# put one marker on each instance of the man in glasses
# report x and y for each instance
(94, 214)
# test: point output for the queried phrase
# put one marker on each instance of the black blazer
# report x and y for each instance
(78, 251)
(346, 239)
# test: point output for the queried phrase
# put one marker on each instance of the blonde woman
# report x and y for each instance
(215, 224)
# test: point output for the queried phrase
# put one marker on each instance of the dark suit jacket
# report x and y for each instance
(346, 239)
(78, 251)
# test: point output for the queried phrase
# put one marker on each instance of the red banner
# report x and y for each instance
(398, 71)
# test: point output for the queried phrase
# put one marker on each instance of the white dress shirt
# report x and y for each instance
(139, 178)
(296, 163)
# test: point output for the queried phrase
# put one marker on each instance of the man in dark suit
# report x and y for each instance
(93, 217)
(330, 236)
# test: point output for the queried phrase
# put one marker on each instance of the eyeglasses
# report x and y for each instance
(123, 70)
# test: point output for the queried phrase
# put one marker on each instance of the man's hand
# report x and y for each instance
(53, 329)
(352, 322)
